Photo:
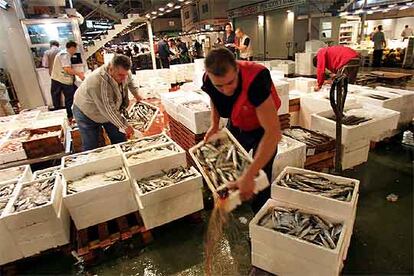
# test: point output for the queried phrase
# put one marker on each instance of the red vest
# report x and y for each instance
(243, 114)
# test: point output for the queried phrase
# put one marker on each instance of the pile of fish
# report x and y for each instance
(20, 134)
(156, 182)
(153, 153)
(311, 228)
(82, 158)
(144, 143)
(46, 174)
(197, 106)
(45, 135)
(378, 97)
(6, 191)
(34, 195)
(315, 184)
(11, 173)
(222, 161)
(140, 116)
(90, 181)
(11, 146)
(351, 120)
(309, 138)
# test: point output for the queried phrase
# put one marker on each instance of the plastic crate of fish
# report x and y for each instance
(311, 250)
(309, 188)
(195, 115)
(97, 196)
(142, 115)
(46, 173)
(105, 157)
(315, 142)
(36, 216)
(166, 185)
(145, 142)
(228, 153)
(16, 174)
(289, 153)
(359, 122)
(146, 162)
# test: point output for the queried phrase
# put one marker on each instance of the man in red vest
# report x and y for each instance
(243, 91)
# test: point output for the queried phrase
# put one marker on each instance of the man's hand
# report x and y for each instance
(317, 88)
(81, 75)
(129, 132)
(245, 184)
(210, 132)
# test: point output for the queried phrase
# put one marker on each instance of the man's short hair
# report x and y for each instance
(121, 61)
(315, 60)
(228, 24)
(380, 27)
(71, 44)
(54, 43)
(219, 61)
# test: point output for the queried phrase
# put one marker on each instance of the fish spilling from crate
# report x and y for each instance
(34, 195)
(140, 116)
(351, 120)
(11, 173)
(45, 135)
(90, 181)
(153, 153)
(80, 159)
(309, 138)
(307, 227)
(316, 184)
(171, 177)
(197, 106)
(5, 194)
(144, 143)
(222, 161)
(378, 97)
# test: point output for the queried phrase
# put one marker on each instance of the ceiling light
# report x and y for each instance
(153, 17)
(375, 8)
(404, 8)
(181, 1)
(160, 14)
(188, 2)
(154, 12)
(288, 11)
(168, 11)
(170, 5)
(385, 10)
(177, 7)
(409, 4)
(392, 5)
(161, 9)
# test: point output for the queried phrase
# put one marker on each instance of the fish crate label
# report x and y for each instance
(310, 152)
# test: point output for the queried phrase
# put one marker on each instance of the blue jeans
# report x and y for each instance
(90, 130)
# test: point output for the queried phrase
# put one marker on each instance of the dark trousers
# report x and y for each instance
(68, 91)
(90, 130)
(250, 140)
(377, 58)
(165, 62)
(351, 70)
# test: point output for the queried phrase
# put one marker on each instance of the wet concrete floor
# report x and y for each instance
(382, 242)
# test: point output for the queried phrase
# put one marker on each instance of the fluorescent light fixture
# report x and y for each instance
(153, 17)
(288, 11)
(260, 20)
(160, 14)
(392, 5)
(154, 12)
(181, 1)
(4, 5)
(161, 9)
(409, 4)
(168, 11)
(170, 5)
(370, 12)
(177, 7)
(188, 2)
(375, 8)
(343, 14)
(404, 8)
(148, 15)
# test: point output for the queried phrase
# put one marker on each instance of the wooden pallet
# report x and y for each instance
(320, 161)
(86, 242)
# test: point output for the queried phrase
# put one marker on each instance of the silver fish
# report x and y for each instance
(34, 195)
(144, 143)
(140, 116)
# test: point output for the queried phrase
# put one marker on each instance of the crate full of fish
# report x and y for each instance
(46, 173)
(292, 239)
(144, 142)
(141, 116)
(222, 160)
(16, 174)
(97, 196)
(169, 195)
(289, 153)
(45, 141)
(315, 142)
(100, 158)
(195, 115)
(36, 216)
(12, 150)
(319, 191)
(359, 122)
(149, 161)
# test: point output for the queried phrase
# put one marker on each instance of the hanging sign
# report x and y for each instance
(263, 7)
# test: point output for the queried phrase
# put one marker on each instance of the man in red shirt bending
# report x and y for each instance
(338, 60)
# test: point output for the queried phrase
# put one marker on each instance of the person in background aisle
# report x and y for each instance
(338, 60)
(407, 32)
(5, 107)
(229, 38)
(243, 91)
(63, 77)
(245, 47)
(371, 35)
(183, 49)
(175, 58)
(49, 56)
(198, 48)
(379, 46)
(128, 52)
(102, 99)
(164, 52)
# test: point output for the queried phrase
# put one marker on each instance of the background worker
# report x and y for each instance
(407, 32)
(379, 45)
(101, 100)
(164, 52)
(245, 47)
(338, 60)
(63, 78)
(49, 56)
(244, 92)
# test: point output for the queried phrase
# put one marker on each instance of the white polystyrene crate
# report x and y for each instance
(168, 192)
(134, 141)
(155, 165)
(394, 102)
(171, 101)
(328, 205)
(114, 159)
(24, 174)
(196, 121)
(233, 200)
(355, 158)
(321, 258)
(293, 155)
(284, 105)
(313, 46)
(101, 203)
(39, 228)
(16, 155)
(55, 169)
(304, 64)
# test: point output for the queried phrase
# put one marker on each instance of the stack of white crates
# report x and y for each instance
(285, 66)
(282, 88)
(290, 153)
(198, 72)
(304, 61)
(283, 254)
